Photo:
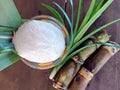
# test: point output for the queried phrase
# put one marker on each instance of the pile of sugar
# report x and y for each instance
(39, 41)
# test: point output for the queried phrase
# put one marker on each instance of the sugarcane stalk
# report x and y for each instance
(66, 74)
(87, 72)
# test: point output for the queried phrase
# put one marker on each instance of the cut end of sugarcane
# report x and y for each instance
(112, 50)
(52, 75)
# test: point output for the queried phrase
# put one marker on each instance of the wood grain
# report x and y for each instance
(21, 77)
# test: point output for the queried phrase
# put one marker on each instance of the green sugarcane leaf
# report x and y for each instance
(89, 12)
(6, 29)
(5, 44)
(6, 37)
(6, 33)
(109, 44)
(78, 17)
(93, 33)
(65, 14)
(7, 59)
(98, 6)
(54, 12)
(92, 20)
(72, 19)
(9, 15)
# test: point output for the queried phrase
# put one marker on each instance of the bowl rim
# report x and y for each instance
(51, 64)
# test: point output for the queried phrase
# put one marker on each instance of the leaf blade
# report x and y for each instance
(64, 13)
(78, 16)
(7, 59)
(54, 12)
(88, 14)
(72, 24)
(93, 33)
(9, 15)
(92, 20)
(98, 6)
(6, 29)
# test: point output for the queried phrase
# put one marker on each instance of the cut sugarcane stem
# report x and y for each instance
(97, 62)
(81, 80)
(86, 73)
(66, 74)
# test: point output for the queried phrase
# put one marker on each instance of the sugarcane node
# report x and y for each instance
(77, 59)
(86, 73)
(94, 40)
(111, 50)
(80, 61)
(103, 37)
(66, 74)
(57, 85)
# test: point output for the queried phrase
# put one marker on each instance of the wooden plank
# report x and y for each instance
(30, 8)
(21, 77)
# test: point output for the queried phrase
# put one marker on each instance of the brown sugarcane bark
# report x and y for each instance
(86, 73)
(97, 62)
(81, 80)
(70, 69)
(64, 77)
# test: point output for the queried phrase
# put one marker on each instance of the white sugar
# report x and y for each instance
(39, 41)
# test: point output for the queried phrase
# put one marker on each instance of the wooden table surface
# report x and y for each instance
(21, 77)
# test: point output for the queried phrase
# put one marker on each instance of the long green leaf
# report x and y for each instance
(9, 15)
(78, 16)
(6, 29)
(72, 19)
(89, 12)
(65, 14)
(93, 33)
(5, 44)
(92, 20)
(6, 37)
(7, 59)
(109, 44)
(54, 12)
(6, 33)
(97, 6)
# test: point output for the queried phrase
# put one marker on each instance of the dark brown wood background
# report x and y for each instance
(21, 77)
